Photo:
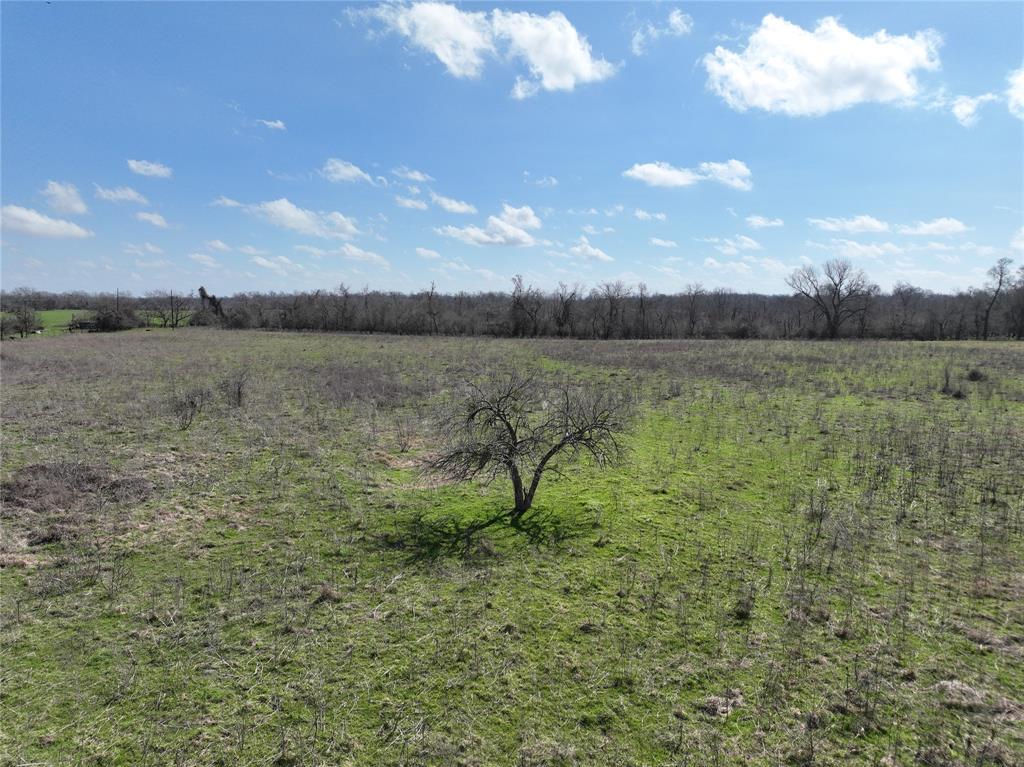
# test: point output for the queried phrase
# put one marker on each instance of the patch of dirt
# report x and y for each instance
(58, 502)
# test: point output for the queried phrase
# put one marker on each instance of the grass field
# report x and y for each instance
(55, 321)
(811, 554)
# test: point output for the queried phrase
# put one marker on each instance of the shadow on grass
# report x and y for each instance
(428, 540)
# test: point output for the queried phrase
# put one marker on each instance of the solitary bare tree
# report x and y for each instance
(841, 292)
(521, 427)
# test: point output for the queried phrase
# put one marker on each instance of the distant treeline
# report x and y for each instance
(836, 301)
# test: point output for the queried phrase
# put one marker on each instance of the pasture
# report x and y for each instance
(810, 554)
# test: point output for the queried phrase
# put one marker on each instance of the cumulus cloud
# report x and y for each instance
(785, 68)
(732, 173)
(273, 124)
(556, 55)
(678, 24)
(208, 261)
(644, 215)
(938, 226)
(660, 243)
(583, 249)
(287, 215)
(153, 218)
(761, 222)
(407, 202)
(14, 218)
(450, 205)
(120, 194)
(341, 170)
(853, 249)
(281, 265)
(732, 246)
(226, 202)
(1017, 242)
(854, 225)
(409, 174)
(965, 108)
(220, 245)
(63, 197)
(251, 250)
(139, 250)
(427, 253)
(1015, 93)
(352, 253)
(510, 228)
(147, 168)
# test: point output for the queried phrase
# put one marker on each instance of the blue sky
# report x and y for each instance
(262, 146)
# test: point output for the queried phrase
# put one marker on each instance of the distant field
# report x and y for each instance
(54, 321)
(813, 554)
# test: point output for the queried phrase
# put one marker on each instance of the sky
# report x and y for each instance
(299, 146)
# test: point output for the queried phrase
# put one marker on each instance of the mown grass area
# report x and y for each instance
(55, 321)
(811, 555)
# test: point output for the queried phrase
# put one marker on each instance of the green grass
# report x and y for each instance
(55, 321)
(290, 589)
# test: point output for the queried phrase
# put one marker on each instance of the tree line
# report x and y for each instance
(837, 300)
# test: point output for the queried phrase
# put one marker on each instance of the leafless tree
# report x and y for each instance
(170, 309)
(522, 427)
(25, 321)
(1000, 278)
(838, 294)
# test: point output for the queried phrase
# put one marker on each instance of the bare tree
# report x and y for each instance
(841, 292)
(25, 321)
(999, 278)
(521, 427)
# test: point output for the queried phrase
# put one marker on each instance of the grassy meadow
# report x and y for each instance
(811, 554)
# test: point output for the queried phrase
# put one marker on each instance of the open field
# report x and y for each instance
(811, 554)
(54, 322)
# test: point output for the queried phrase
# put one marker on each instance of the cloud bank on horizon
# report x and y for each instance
(409, 143)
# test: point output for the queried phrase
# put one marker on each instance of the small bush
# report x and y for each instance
(190, 404)
(976, 375)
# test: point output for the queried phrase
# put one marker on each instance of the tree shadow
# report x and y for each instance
(431, 539)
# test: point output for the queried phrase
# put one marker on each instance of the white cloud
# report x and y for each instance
(138, 250)
(250, 250)
(341, 170)
(220, 245)
(287, 215)
(557, 56)
(147, 168)
(1015, 93)
(548, 181)
(406, 202)
(852, 249)
(555, 53)
(583, 249)
(63, 197)
(740, 267)
(965, 108)
(677, 25)
(273, 124)
(935, 227)
(644, 215)
(1017, 243)
(208, 261)
(427, 253)
(14, 218)
(658, 242)
(281, 265)
(450, 205)
(760, 222)
(510, 228)
(120, 194)
(152, 218)
(353, 253)
(732, 246)
(409, 174)
(732, 173)
(459, 39)
(855, 225)
(226, 202)
(785, 68)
